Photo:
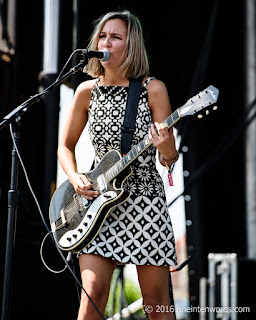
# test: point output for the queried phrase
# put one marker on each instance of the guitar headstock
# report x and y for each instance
(202, 100)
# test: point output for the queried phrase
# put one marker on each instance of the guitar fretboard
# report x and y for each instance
(138, 149)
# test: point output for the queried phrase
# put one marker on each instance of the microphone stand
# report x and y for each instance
(13, 194)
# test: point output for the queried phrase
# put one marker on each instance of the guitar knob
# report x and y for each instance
(200, 116)
(80, 230)
(207, 112)
(85, 224)
(69, 239)
(75, 236)
(215, 108)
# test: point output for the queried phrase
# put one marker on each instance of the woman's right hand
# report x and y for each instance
(83, 186)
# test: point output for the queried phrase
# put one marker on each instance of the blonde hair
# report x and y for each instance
(136, 62)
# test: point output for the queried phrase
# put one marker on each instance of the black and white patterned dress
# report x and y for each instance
(139, 231)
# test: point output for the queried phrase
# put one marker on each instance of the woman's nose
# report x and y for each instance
(107, 42)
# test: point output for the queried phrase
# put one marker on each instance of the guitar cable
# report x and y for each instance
(68, 259)
(67, 266)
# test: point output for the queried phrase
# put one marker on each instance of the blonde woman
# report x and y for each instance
(139, 231)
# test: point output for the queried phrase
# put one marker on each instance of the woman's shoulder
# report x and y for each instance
(154, 86)
(83, 94)
(86, 86)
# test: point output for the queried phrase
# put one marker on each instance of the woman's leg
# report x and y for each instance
(96, 273)
(154, 283)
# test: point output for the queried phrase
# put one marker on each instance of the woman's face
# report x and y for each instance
(113, 39)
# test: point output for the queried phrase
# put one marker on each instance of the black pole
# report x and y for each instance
(13, 197)
(76, 43)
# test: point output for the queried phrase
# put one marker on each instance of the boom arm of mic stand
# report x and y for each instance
(20, 110)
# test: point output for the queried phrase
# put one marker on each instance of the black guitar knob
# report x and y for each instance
(85, 224)
(75, 236)
(69, 239)
(80, 230)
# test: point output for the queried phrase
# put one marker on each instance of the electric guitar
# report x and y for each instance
(76, 221)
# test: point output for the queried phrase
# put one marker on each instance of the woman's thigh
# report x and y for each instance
(154, 283)
(96, 273)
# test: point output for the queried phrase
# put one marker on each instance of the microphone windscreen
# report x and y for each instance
(106, 56)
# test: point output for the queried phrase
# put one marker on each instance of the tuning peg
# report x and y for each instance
(207, 112)
(215, 108)
(200, 116)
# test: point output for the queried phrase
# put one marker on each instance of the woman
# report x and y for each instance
(138, 231)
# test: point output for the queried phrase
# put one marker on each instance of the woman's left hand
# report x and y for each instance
(164, 141)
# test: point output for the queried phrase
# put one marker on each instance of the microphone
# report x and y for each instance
(103, 55)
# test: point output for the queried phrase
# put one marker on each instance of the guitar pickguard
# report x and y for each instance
(75, 236)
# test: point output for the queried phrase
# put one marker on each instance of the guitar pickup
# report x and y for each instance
(102, 183)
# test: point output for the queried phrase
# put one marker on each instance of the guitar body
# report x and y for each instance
(75, 221)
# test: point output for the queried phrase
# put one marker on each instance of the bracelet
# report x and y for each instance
(173, 161)
(169, 172)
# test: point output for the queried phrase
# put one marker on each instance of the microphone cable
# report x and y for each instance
(67, 266)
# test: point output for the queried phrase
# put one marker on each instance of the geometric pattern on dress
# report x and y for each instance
(139, 231)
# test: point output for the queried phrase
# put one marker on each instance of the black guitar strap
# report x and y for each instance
(128, 126)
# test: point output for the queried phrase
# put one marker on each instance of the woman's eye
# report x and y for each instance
(103, 36)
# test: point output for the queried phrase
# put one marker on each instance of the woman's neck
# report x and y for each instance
(112, 79)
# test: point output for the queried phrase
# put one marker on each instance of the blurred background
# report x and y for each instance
(191, 45)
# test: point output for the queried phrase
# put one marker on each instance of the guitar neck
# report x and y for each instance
(138, 149)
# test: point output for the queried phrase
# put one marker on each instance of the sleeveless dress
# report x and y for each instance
(139, 231)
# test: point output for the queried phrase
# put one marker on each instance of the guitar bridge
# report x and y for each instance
(60, 222)
(63, 218)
